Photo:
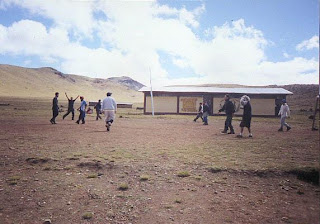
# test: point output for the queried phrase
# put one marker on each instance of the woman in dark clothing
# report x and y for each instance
(247, 114)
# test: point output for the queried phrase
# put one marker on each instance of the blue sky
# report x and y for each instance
(253, 42)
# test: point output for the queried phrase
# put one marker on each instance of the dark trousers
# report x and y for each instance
(199, 115)
(81, 117)
(98, 114)
(228, 124)
(55, 114)
(69, 111)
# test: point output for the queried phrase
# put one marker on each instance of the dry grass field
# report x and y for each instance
(163, 169)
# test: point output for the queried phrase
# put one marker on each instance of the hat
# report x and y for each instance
(109, 94)
(81, 97)
(284, 101)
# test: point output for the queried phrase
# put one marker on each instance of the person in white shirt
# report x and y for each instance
(284, 112)
(109, 107)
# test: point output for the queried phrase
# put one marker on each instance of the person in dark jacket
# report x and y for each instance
(205, 113)
(246, 117)
(70, 106)
(98, 110)
(200, 113)
(228, 107)
(55, 108)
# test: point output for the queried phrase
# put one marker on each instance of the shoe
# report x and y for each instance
(108, 128)
(239, 136)
(77, 122)
(83, 122)
(288, 128)
(194, 120)
(205, 123)
(250, 136)
(63, 117)
(231, 133)
(280, 129)
(223, 132)
(51, 121)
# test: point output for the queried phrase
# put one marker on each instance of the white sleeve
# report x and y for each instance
(114, 104)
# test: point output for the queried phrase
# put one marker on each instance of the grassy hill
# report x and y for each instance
(44, 82)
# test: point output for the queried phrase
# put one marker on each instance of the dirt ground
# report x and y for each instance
(166, 169)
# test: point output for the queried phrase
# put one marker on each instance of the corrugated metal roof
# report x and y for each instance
(193, 89)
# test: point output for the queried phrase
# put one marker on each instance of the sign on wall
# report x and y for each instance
(189, 104)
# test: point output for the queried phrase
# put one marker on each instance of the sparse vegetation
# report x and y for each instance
(144, 178)
(216, 165)
(87, 215)
(91, 176)
(123, 187)
(13, 180)
(183, 174)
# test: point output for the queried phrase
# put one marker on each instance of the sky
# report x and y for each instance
(249, 42)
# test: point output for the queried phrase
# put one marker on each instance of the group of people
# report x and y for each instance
(229, 110)
(108, 106)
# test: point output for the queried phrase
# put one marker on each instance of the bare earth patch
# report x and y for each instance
(166, 169)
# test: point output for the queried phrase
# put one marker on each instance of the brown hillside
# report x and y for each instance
(44, 82)
(304, 96)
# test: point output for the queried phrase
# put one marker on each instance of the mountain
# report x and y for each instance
(127, 81)
(44, 82)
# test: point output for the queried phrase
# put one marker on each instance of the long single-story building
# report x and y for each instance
(185, 100)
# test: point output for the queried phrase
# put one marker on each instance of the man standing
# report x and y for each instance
(98, 110)
(70, 106)
(284, 113)
(205, 113)
(109, 107)
(228, 107)
(55, 108)
(82, 110)
(200, 113)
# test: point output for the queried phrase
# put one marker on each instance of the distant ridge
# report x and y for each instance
(43, 82)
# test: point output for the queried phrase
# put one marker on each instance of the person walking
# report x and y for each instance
(205, 113)
(82, 110)
(246, 117)
(98, 110)
(200, 113)
(109, 107)
(70, 106)
(55, 108)
(228, 107)
(284, 112)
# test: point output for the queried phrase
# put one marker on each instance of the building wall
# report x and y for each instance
(189, 104)
(259, 106)
(263, 106)
(162, 104)
(218, 103)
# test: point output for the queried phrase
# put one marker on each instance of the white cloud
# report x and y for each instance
(133, 35)
(312, 43)
(286, 55)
